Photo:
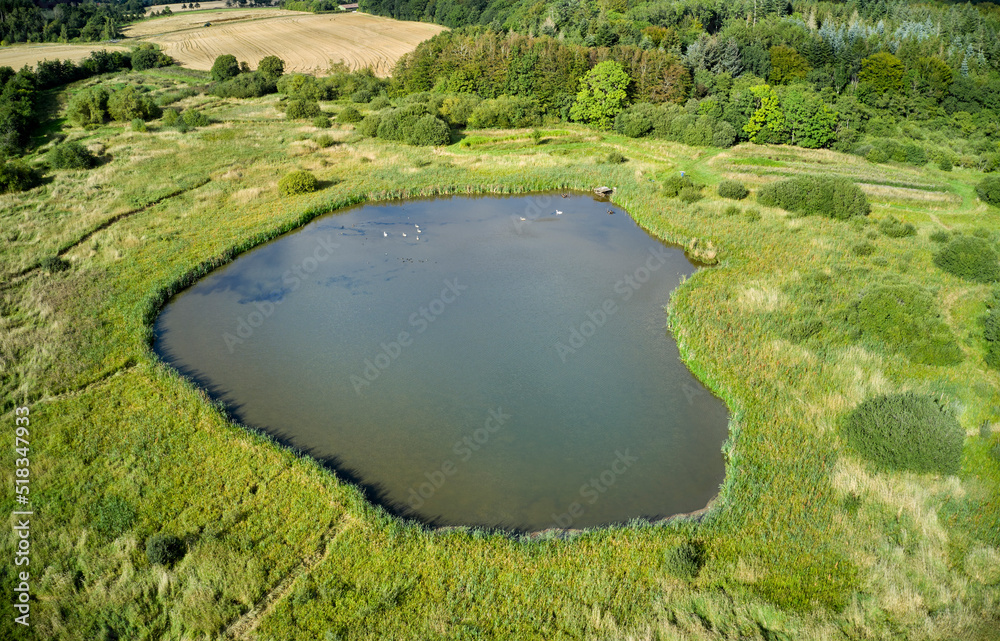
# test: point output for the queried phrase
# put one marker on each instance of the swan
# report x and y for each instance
(404, 234)
(385, 234)
(523, 218)
(558, 213)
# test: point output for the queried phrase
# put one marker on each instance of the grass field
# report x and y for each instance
(175, 7)
(805, 540)
(308, 43)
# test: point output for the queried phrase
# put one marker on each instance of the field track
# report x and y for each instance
(308, 43)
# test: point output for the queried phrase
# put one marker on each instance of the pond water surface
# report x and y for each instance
(470, 360)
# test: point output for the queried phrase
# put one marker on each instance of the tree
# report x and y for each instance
(882, 73)
(225, 67)
(809, 121)
(603, 93)
(145, 59)
(271, 67)
(767, 123)
(787, 65)
(128, 103)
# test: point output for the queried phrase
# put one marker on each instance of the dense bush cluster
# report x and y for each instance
(413, 124)
(349, 115)
(894, 228)
(970, 258)
(697, 126)
(297, 182)
(16, 175)
(93, 106)
(505, 112)
(816, 195)
(991, 330)
(301, 109)
(904, 318)
(244, 85)
(906, 432)
(71, 155)
(733, 189)
(988, 190)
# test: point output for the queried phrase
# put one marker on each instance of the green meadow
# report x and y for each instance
(807, 539)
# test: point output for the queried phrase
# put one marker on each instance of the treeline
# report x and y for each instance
(23, 21)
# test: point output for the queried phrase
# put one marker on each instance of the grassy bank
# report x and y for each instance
(804, 541)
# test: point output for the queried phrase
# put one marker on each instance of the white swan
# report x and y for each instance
(385, 234)
(558, 213)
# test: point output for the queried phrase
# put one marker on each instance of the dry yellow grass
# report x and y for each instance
(308, 43)
(17, 56)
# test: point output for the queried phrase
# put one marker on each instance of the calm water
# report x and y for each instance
(480, 370)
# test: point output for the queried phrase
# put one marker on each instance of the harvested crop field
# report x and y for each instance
(177, 6)
(308, 43)
(17, 56)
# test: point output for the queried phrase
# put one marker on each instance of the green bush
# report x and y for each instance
(369, 124)
(991, 330)
(54, 264)
(89, 107)
(970, 258)
(324, 141)
(429, 130)
(906, 432)
(905, 319)
(833, 197)
(245, 85)
(673, 185)
(322, 121)
(128, 103)
(685, 560)
(753, 215)
(895, 229)
(988, 190)
(732, 210)
(164, 549)
(349, 115)
(271, 67)
(16, 176)
(723, 134)
(225, 67)
(170, 117)
(636, 121)
(864, 248)
(944, 163)
(690, 194)
(112, 516)
(733, 189)
(877, 155)
(302, 109)
(297, 182)
(145, 59)
(71, 155)
(506, 112)
(194, 118)
(939, 236)
(139, 125)
(613, 158)
(362, 96)
(379, 103)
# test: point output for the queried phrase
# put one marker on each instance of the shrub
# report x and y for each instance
(940, 236)
(379, 103)
(322, 121)
(225, 67)
(991, 330)
(906, 432)
(904, 318)
(915, 155)
(506, 112)
(147, 57)
(944, 163)
(613, 158)
(864, 248)
(732, 210)
(685, 560)
(89, 107)
(369, 124)
(194, 118)
(988, 190)
(455, 109)
(673, 185)
(536, 139)
(753, 215)
(16, 176)
(878, 155)
(128, 103)
(164, 549)
(733, 189)
(71, 155)
(690, 194)
(112, 516)
(349, 115)
(297, 182)
(302, 109)
(636, 121)
(429, 130)
(723, 134)
(54, 264)
(362, 96)
(245, 85)
(970, 258)
(301, 87)
(895, 229)
(139, 125)
(833, 197)
(324, 141)
(170, 117)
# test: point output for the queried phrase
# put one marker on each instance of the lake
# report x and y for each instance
(490, 361)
